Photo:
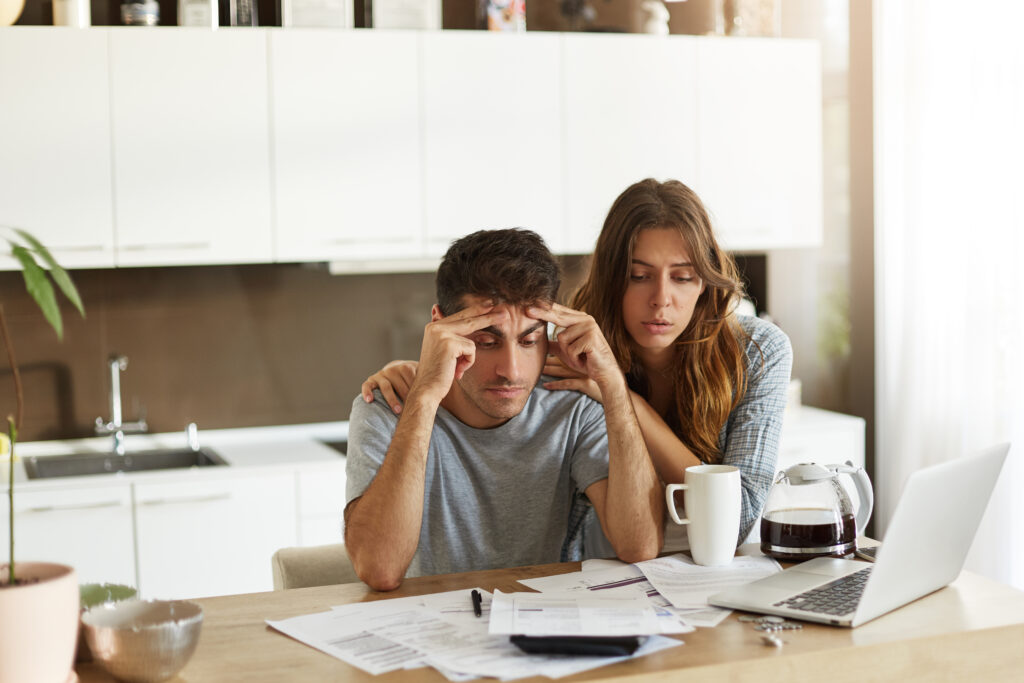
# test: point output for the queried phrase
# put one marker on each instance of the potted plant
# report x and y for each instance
(38, 600)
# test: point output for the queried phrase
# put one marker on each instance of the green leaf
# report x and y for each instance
(38, 285)
(60, 276)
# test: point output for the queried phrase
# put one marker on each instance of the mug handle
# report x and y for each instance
(670, 502)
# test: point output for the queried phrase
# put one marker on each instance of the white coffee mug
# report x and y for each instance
(712, 500)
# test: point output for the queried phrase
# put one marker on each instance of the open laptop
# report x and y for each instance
(924, 550)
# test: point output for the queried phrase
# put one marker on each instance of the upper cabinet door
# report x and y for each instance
(630, 114)
(345, 107)
(760, 141)
(55, 147)
(191, 146)
(492, 125)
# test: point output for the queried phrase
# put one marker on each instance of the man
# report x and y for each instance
(484, 468)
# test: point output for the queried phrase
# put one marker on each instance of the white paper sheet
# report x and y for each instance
(336, 634)
(618, 580)
(687, 584)
(608, 578)
(506, 661)
(438, 630)
(592, 565)
(706, 617)
(577, 613)
(457, 606)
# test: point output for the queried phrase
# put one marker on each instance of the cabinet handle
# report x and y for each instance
(64, 508)
(190, 499)
(78, 248)
(164, 247)
(343, 241)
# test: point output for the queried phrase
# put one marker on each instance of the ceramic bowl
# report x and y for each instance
(143, 640)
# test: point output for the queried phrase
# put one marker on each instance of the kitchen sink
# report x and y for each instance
(79, 464)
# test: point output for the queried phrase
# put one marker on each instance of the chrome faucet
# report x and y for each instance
(117, 364)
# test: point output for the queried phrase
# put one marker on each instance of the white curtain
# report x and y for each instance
(949, 232)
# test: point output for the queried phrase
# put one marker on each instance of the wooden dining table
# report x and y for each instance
(972, 630)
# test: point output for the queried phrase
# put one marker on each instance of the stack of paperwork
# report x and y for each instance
(662, 596)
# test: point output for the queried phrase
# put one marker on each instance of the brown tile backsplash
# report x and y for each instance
(223, 346)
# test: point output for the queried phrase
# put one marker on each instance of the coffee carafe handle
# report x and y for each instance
(864, 492)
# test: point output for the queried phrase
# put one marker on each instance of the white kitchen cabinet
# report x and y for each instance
(347, 144)
(204, 535)
(191, 146)
(760, 141)
(492, 127)
(820, 436)
(89, 528)
(133, 146)
(55, 148)
(322, 503)
(630, 114)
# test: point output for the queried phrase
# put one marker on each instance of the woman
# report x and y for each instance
(707, 385)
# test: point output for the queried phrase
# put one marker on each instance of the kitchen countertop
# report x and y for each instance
(285, 445)
(241, 448)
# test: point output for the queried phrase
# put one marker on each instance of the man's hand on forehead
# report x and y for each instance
(579, 342)
(474, 318)
(560, 317)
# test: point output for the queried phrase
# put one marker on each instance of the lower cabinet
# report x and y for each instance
(822, 437)
(87, 528)
(208, 536)
(179, 535)
(322, 504)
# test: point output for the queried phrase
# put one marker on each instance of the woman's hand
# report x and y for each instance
(569, 379)
(394, 381)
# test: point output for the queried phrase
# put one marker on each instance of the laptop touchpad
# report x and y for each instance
(795, 580)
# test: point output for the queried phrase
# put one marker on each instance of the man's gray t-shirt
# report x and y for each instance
(499, 497)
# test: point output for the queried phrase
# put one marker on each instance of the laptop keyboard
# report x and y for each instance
(836, 597)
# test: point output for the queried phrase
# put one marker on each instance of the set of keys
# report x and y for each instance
(770, 625)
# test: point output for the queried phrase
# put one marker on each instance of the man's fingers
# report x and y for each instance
(557, 314)
(567, 357)
(465, 360)
(469, 323)
(568, 335)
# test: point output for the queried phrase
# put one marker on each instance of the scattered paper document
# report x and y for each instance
(438, 630)
(572, 614)
(687, 584)
(506, 661)
(595, 564)
(609, 580)
(706, 617)
(457, 607)
(349, 640)
(617, 578)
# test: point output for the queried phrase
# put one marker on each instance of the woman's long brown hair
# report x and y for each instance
(709, 371)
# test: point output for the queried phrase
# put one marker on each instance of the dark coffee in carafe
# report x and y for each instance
(797, 534)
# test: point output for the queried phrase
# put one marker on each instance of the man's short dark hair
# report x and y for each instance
(511, 266)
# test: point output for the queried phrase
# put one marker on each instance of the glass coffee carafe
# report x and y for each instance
(809, 514)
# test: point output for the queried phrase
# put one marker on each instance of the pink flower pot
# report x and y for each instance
(38, 623)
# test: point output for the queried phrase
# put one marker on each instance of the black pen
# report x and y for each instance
(475, 594)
